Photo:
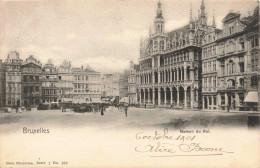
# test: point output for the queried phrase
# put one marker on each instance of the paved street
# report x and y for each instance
(137, 118)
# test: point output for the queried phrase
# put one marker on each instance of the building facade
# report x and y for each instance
(110, 85)
(2, 84)
(230, 64)
(31, 70)
(209, 68)
(123, 84)
(86, 85)
(49, 81)
(132, 83)
(65, 82)
(13, 79)
(170, 64)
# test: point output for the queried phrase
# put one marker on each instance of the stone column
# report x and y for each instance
(153, 96)
(136, 98)
(140, 97)
(178, 96)
(148, 96)
(191, 98)
(208, 101)
(153, 77)
(171, 92)
(170, 75)
(191, 75)
(181, 75)
(144, 96)
(203, 104)
(226, 100)
(178, 74)
(159, 77)
(164, 76)
(185, 98)
(165, 98)
(185, 74)
(148, 78)
(159, 96)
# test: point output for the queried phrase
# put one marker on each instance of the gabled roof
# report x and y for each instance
(230, 16)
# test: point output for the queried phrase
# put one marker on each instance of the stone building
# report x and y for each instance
(237, 62)
(86, 85)
(209, 68)
(31, 83)
(123, 84)
(170, 64)
(13, 79)
(132, 83)
(110, 85)
(65, 82)
(2, 84)
(49, 81)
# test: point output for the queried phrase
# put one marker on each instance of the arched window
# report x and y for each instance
(161, 45)
(230, 67)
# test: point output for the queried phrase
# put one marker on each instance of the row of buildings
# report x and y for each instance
(199, 65)
(27, 82)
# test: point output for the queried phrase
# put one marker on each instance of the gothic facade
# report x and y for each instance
(170, 64)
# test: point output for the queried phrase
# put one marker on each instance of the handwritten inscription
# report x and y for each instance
(165, 143)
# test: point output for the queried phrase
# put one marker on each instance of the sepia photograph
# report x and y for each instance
(129, 84)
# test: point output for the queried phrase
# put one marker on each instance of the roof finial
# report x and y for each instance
(213, 22)
(190, 12)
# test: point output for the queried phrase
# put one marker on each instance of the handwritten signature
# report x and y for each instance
(182, 144)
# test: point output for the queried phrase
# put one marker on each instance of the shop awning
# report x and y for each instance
(251, 97)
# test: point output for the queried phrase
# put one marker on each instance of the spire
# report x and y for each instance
(191, 12)
(213, 22)
(159, 10)
(202, 8)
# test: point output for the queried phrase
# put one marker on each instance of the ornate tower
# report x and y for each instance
(159, 21)
(203, 17)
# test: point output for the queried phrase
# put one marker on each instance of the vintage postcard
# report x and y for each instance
(129, 84)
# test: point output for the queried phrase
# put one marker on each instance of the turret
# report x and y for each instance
(159, 21)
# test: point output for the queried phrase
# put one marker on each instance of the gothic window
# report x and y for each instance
(162, 45)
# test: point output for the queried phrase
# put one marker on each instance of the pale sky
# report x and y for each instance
(104, 34)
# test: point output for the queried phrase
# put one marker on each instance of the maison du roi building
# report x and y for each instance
(187, 67)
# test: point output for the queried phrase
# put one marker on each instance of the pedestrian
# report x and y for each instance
(102, 110)
(126, 110)
(145, 105)
(228, 107)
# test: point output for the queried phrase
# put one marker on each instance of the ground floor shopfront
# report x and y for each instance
(238, 100)
(175, 96)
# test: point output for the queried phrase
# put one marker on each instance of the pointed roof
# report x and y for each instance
(230, 16)
(159, 11)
